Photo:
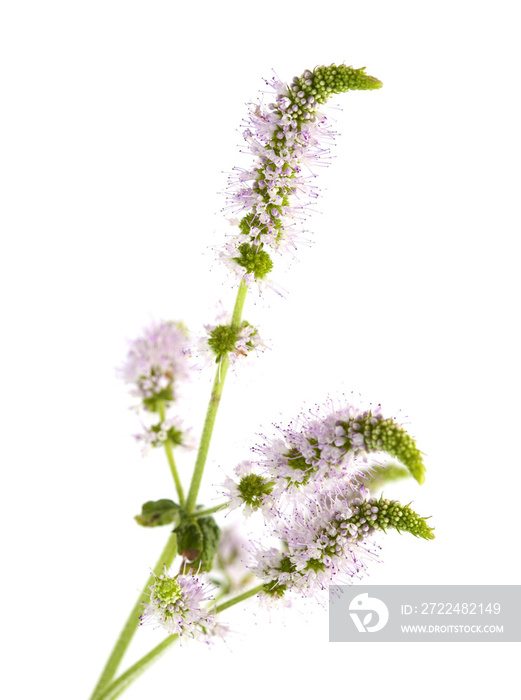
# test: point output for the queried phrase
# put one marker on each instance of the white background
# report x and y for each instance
(119, 122)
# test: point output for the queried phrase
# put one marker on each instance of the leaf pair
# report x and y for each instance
(197, 539)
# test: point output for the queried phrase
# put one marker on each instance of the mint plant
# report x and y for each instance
(313, 483)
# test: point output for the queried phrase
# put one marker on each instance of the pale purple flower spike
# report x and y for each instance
(282, 165)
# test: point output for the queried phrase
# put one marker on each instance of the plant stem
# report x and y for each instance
(170, 550)
(239, 304)
(120, 684)
(239, 598)
(170, 457)
(213, 407)
(209, 511)
(173, 469)
(108, 673)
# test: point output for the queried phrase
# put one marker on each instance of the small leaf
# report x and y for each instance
(189, 538)
(211, 536)
(197, 541)
(155, 513)
(378, 475)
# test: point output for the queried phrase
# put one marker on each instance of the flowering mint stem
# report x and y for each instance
(213, 406)
(166, 558)
(120, 684)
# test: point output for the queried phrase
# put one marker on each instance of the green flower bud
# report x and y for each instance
(375, 434)
(225, 340)
(254, 260)
(166, 590)
(222, 340)
(253, 487)
(383, 514)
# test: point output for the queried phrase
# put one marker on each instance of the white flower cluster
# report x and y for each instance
(275, 195)
(230, 566)
(177, 603)
(157, 434)
(309, 486)
(156, 363)
(286, 138)
(321, 547)
(156, 360)
(222, 340)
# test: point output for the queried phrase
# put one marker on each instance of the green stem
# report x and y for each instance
(239, 304)
(120, 684)
(209, 511)
(170, 457)
(170, 550)
(239, 598)
(213, 407)
(173, 469)
(108, 673)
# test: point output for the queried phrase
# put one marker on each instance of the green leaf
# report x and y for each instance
(378, 475)
(155, 513)
(189, 538)
(197, 541)
(211, 535)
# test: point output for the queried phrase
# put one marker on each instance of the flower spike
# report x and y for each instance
(277, 191)
(382, 514)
